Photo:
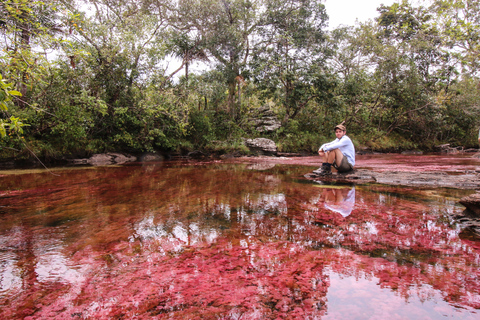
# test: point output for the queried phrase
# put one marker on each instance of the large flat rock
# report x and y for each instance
(404, 178)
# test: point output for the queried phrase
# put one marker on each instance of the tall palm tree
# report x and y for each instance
(188, 49)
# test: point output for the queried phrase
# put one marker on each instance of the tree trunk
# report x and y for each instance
(239, 94)
(25, 44)
(231, 99)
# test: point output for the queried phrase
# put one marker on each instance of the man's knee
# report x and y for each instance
(337, 151)
(338, 154)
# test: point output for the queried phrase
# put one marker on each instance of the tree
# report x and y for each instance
(409, 64)
(459, 23)
(126, 41)
(188, 49)
(28, 28)
(226, 28)
(352, 62)
(290, 52)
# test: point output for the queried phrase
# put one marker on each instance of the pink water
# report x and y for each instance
(229, 241)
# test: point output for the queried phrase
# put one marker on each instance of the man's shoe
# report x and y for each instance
(326, 169)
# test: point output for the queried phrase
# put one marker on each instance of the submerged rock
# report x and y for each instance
(412, 152)
(151, 157)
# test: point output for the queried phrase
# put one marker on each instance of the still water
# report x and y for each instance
(229, 241)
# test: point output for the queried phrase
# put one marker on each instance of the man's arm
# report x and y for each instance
(323, 146)
(336, 145)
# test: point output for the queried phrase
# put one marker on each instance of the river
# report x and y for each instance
(238, 239)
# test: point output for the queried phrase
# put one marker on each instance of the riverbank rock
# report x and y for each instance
(472, 203)
(446, 148)
(469, 180)
(261, 146)
(104, 159)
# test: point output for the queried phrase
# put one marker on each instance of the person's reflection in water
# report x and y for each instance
(340, 200)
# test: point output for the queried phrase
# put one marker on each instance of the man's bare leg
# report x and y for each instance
(335, 156)
(331, 156)
(328, 158)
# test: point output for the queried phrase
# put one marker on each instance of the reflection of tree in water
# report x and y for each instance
(194, 242)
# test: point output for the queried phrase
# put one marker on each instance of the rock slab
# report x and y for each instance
(469, 180)
(264, 120)
(472, 202)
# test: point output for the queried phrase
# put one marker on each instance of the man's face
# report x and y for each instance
(339, 133)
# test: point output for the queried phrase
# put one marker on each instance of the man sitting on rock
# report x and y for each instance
(340, 153)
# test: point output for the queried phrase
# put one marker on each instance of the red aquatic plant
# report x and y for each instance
(198, 243)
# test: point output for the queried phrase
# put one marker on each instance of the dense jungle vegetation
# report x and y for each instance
(85, 76)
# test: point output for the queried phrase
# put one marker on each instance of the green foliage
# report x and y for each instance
(226, 128)
(300, 142)
(296, 137)
(13, 124)
(407, 80)
(376, 140)
(459, 25)
(201, 129)
(28, 29)
(290, 53)
(6, 93)
(233, 146)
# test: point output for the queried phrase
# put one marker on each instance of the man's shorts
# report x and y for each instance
(344, 166)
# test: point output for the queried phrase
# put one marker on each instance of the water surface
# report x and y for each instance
(229, 241)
